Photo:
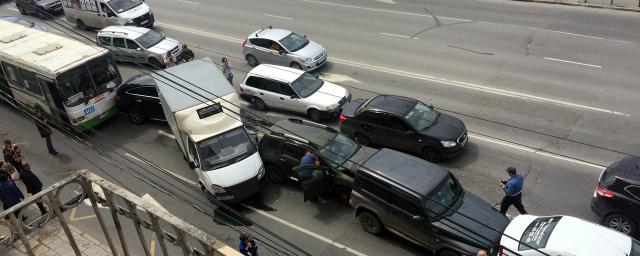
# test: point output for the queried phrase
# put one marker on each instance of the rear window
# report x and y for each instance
(608, 177)
(538, 232)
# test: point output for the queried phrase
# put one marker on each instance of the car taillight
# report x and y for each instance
(244, 42)
(342, 118)
(603, 192)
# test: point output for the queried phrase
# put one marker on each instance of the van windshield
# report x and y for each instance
(443, 197)
(150, 39)
(225, 149)
(123, 5)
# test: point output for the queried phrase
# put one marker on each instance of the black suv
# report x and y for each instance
(425, 204)
(288, 140)
(617, 196)
(43, 8)
(138, 97)
(404, 124)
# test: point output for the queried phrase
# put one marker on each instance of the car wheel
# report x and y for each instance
(431, 155)
(621, 223)
(295, 65)
(81, 25)
(155, 63)
(259, 104)
(136, 116)
(362, 139)
(370, 223)
(447, 252)
(343, 194)
(274, 174)
(252, 60)
(314, 115)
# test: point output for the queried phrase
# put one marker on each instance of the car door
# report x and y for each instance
(109, 17)
(135, 51)
(314, 180)
(120, 49)
(290, 157)
(290, 99)
(270, 92)
(373, 125)
(408, 216)
(277, 53)
(146, 99)
(634, 201)
(401, 136)
(261, 49)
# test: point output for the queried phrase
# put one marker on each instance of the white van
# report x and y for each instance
(202, 109)
(104, 13)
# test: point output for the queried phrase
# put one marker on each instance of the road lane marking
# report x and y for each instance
(586, 36)
(306, 231)
(279, 17)
(401, 36)
(165, 170)
(442, 81)
(169, 135)
(535, 151)
(573, 62)
(189, 2)
(387, 1)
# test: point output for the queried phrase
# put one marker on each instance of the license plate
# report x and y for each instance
(89, 110)
(144, 22)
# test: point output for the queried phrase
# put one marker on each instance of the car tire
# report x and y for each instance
(370, 223)
(274, 174)
(155, 63)
(296, 65)
(621, 223)
(251, 60)
(314, 115)
(259, 104)
(136, 116)
(81, 24)
(447, 252)
(431, 155)
(362, 139)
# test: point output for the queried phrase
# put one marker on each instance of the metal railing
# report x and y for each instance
(134, 208)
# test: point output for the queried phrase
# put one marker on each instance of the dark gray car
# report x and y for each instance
(423, 203)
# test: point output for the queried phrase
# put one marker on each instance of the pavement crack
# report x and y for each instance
(437, 25)
(469, 50)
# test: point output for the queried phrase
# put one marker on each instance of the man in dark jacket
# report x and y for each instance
(9, 193)
(45, 131)
(33, 184)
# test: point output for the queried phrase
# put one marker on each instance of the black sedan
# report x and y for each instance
(405, 124)
(138, 97)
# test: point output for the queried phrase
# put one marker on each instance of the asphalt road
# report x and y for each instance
(549, 89)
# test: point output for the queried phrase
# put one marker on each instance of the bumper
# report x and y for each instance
(456, 150)
(241, 191)
(598, 207)
(147, 23)
(310, 66)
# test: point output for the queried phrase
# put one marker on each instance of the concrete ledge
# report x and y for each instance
(630, 9)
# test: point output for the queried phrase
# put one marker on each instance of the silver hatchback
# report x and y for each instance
(283, 47)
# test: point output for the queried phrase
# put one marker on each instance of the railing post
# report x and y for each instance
(21, 234)
(155, 225)
(86, 185)
(55, 206)
(116, 221)
(133, 213)
(182, 242)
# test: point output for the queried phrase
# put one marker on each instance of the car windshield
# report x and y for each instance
(150, 39)
(445, 196)
(421, 116)
(123, 5)
(225, 149)
(306, 84)
(338, 150)
(294, 42)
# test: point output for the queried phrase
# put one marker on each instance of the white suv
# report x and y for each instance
(292, 89)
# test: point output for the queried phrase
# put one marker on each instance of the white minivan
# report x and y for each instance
(104, 13)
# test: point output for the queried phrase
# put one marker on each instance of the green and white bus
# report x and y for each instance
(73, 82)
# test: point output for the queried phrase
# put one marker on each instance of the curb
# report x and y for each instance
(583, 5)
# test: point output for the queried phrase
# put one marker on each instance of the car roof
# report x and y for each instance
(570, 235)
(408, 171)
(127, 31)
(627, 168)
(286, 74)
(270, 33)
(397, 105)
(304, 130)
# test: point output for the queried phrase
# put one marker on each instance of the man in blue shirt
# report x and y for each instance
(513, 192)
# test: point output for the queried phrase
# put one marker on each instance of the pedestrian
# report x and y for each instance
(45, 130)
(12, 155)
(226, 70)
(169, 60)
(33, 184)
(187, 54)
(513, 191)
(247, 246)
(482, 253)
(10, 194)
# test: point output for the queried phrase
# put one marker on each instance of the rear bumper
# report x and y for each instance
(599, 207)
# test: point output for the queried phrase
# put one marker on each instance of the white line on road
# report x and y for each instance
(200, 32)
(279, 17)
(306, 231)
(189, 2)
(169, 172)
(163, 133)
(586, 36)
(573, 62)
(402, 36)
(13, 9)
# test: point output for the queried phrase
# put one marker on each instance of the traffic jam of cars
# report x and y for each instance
(381, 159)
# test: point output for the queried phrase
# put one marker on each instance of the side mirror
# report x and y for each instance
(282, 52)
(294, 96)
(139, 49)
(417, 218)
(305, 36)
(193, 165)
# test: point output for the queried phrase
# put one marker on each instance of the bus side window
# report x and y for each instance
(12, 73)
(30, 82)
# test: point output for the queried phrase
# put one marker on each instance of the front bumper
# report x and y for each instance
(146, 21)
(315, 64)
(241, 191)
(458, 149)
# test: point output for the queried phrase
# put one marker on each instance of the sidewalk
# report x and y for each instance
(624, 5)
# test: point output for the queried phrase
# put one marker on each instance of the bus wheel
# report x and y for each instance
(81, 25)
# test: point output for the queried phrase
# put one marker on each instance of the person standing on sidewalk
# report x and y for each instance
(513, 192)
(33, 184)
(10, 194)
(12, 155)
(226, 70)
(45, 130)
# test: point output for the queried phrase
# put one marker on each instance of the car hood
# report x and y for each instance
(328, 94)
(469, 231)
(350, 108)
(235, 173)
(358, 158)
(135, 12)
(446, 127)
(163, 46)
(46, 2)
(310, 51)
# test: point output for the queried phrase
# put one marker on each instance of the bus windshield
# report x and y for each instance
(86, 81)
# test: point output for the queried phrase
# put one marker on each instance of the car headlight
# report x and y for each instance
(261, 172)
(333, 107)
(306, 59)
(128, 20)
(217, 189)
(448, 143)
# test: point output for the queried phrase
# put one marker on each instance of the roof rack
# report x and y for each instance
(263, 29)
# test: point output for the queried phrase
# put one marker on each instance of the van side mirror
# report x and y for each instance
(193, 165)
(294, 96)
(417, 218)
